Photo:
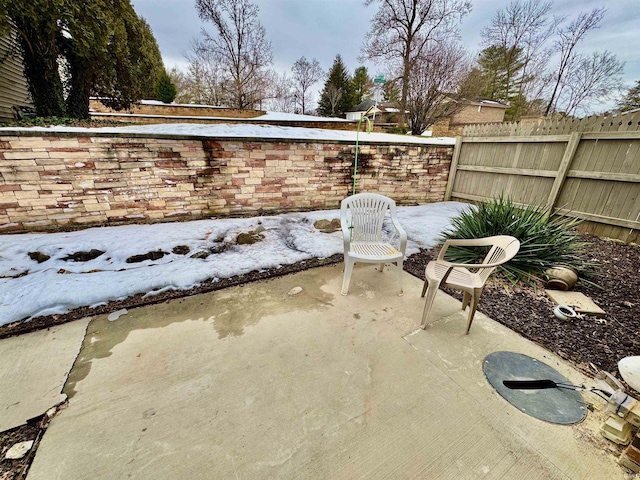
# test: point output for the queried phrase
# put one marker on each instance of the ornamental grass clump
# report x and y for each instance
(546, 240)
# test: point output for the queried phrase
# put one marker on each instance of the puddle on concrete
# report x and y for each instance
(229, 311)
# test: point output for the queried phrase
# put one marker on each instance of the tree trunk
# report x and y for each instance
(78, 99)
(40, 59)
(81, 82)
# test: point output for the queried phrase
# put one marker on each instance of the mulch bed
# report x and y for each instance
(17, 469)
(591, 342)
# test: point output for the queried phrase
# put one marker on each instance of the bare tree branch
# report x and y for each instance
(402, 30)
(568, 37)
(594, 78)
(305, 74)
(435, 87)
(241, 47)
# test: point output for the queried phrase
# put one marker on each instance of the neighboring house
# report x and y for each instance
(384, 112)
(475, 111)
(13, 85)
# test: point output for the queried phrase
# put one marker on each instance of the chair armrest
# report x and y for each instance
(469, 265)
(460, 242)
(402, 233)
(346, 236)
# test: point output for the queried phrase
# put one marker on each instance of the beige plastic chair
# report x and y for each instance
(361, 218)
(466, 277)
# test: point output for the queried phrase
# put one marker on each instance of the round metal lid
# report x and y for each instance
(554, 405)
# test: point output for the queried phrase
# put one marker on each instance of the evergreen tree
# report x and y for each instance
(391, 92)
(38, 33)
(336, 97)
(631, 100)
(135, 64)
(107, 50)
(165, 89)
(502, 76)
(361, 85)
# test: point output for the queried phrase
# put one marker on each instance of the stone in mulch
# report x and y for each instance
(155, 255)
(578, 301)
(201, 255)
(84, 256)
(18, 446)
(19, 450)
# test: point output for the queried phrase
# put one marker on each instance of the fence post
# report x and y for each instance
(567, 158)
(453, 168)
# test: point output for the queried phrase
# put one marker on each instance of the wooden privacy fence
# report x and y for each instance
(588, 169)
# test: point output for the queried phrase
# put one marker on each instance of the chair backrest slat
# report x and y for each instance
(365, 213)
(503, 249)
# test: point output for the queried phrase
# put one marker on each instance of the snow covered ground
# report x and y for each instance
(249, 131)
(31, 289)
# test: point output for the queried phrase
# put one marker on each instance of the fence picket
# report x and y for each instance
(596, 160)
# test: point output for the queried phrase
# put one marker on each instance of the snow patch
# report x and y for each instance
(56, 286)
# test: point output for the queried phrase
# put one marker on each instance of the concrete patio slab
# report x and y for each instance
(579, 450)
(253, 383)
(33, 370)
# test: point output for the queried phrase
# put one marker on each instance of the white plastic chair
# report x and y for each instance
(361, 218)
(466, 277)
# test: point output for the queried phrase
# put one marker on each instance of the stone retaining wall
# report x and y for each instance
(61, 181)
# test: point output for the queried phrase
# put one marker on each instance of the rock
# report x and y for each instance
(326, 226)
(147, 256)
(19, 450)
(294, 291)
(200, 255)
(322, 224)
(218, 248)
(84, 256)
(39, 257)
(249, 238)
(181, 250)
(113, 316)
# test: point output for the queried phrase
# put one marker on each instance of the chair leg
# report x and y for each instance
(425, 284)
(472, 310)
(348, 270)
(428, 303)
(399, 266)
(466, 299)
(381, 268)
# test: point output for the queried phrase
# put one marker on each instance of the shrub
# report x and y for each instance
(165, 89)
(545, 239)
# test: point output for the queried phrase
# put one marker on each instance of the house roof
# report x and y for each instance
(388, 107)
(488, 103)
(382, 107)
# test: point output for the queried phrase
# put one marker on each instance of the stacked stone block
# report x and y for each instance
(58, 182)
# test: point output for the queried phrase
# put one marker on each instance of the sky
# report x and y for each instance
(322, 29)
(30, 289)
